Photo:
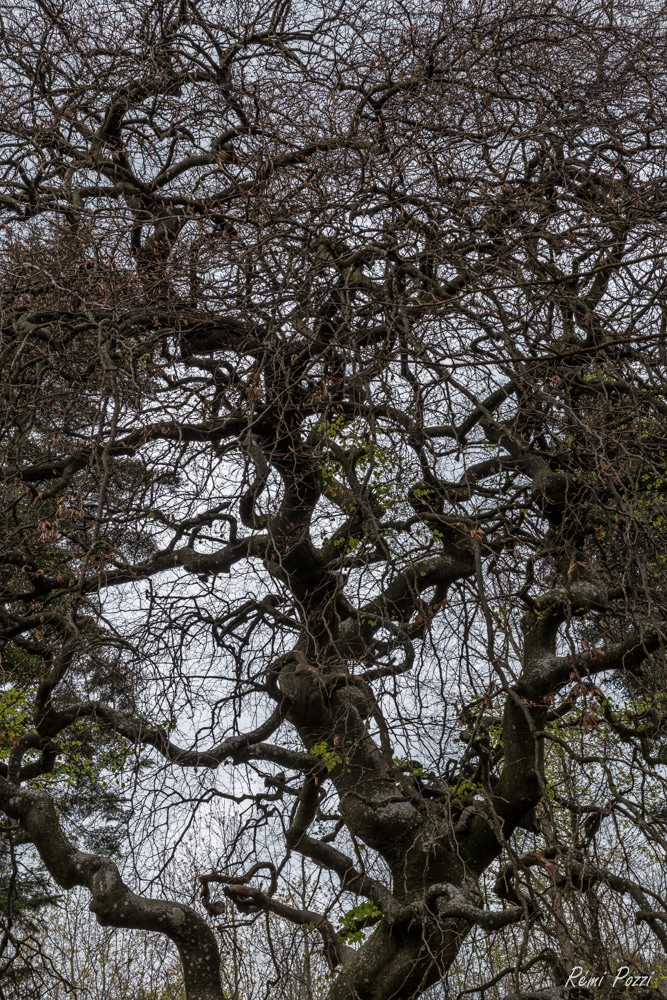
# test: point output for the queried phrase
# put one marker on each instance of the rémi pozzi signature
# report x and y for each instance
(622, 978)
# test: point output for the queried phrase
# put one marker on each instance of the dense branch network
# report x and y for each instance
(333, 367)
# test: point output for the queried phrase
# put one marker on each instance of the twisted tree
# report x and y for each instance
(333, 476)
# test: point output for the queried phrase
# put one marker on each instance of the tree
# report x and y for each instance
(24, 968)
(333, 454)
